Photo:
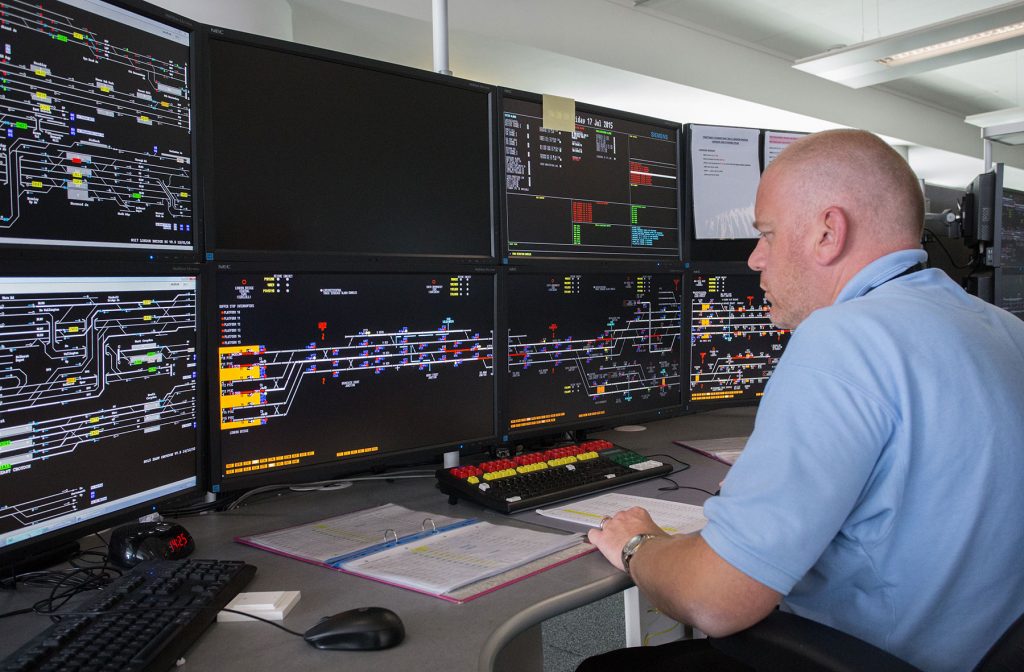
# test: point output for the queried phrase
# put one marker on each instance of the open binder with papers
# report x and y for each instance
(456, 559)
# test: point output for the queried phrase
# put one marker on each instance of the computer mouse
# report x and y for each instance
(362, 629)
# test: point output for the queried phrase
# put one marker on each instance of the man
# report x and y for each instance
(880, 492)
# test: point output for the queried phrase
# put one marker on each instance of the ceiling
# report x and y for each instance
(702, 61)
(796, 29)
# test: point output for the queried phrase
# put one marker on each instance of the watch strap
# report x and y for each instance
(631, 547)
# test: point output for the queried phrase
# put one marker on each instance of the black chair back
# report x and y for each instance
(1007, 654)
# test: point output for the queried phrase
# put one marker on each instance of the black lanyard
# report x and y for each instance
(913, 269)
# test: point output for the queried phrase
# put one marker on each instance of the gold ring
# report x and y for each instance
(604, 520)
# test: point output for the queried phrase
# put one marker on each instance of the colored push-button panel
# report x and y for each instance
(525, 464)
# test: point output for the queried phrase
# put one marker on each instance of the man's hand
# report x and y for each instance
(619, 529)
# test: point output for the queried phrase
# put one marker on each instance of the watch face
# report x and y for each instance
(630, 548)
(632, 544)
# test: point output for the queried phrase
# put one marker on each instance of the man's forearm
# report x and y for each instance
(685, 578)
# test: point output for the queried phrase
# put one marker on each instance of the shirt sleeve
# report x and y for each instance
(819, 432)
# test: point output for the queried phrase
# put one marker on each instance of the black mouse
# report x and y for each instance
(362, 629)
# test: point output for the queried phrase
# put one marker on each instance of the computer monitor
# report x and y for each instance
(1009, 289)
(96, 142)
(1009, 233)
(589, 349)
(978, 208)
(99, 377)
(734, 346)
(724, 170)
(311, 151)
(610, 189)
(320, 374)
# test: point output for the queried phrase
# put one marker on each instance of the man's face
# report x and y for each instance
(783, 256)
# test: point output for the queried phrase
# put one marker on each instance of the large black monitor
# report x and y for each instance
(734, 346)
(608, 190)
(1009, 289)
(98, 403)
(311, 151)
(1008, 281)
(1009, 232)
(723, 173)
(96, 134)
(978, 208)
(589, 348)
(319, 374)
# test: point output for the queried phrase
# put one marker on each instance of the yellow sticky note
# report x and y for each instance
(559, 114)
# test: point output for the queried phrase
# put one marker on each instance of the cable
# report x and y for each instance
(676, 486)
(264, 620)
(319, 485)
(933, 237)
(684, 465)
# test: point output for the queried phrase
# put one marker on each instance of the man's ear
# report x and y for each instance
(833, 228)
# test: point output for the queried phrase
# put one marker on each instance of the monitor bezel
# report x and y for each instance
(38, 546)
(333, 470)
(205, 130)
(586, 424)
(163, 255)
(650, 260)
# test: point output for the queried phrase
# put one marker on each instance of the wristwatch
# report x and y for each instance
(631, 547)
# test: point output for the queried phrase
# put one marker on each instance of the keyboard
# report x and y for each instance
(145, 620)
(535, 479)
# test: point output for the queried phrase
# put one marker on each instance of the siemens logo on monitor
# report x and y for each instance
(659, 136)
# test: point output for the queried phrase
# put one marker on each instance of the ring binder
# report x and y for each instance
(450, 558)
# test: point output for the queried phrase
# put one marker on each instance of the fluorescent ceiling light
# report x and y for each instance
(1003, 126)
(939, 45)
(1010, 115)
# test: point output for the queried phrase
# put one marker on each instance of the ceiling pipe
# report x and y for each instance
(440, 25)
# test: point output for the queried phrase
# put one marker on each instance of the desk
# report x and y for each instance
(440, 637)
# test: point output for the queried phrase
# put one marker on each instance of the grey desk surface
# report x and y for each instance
(440, 636)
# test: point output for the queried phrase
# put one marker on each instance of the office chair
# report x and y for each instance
(788, 643)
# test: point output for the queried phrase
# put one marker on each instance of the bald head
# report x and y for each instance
(859, 172)
(827, 206)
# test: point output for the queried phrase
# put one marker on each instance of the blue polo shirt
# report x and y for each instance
(882, 489)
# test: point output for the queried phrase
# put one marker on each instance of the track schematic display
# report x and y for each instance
(734, 346)
(97, 397)
(1012, 230)
(608, 189)
(322, 368)
(587, 346)
(95, 128)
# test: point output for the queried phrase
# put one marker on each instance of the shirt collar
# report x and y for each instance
(879, 271)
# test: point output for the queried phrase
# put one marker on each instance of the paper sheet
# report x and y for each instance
(775, 142)
(726, 450)
(336, 537)
(445, 561)
(673, 517)
(726, 172)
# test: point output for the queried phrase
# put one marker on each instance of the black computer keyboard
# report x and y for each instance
(535, 479)
(144, 620)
